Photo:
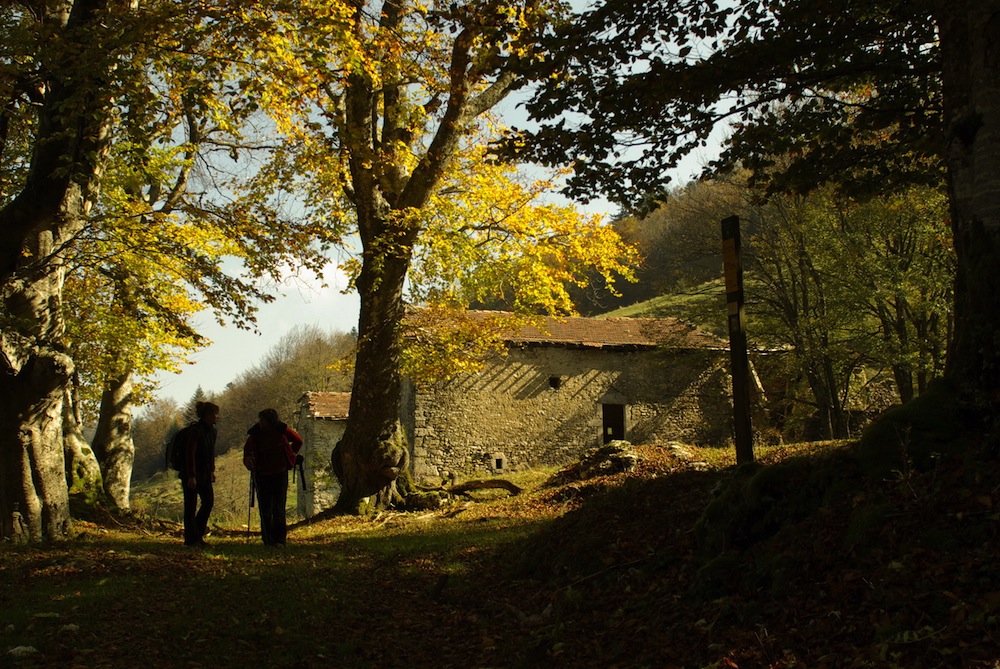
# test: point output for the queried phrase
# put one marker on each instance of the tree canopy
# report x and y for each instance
(843, 88)
(114, 123)
(385, 118)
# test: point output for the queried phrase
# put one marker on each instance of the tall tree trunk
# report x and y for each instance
(373, 451)
(831, 411)
(113, 439)
(971, 81)
(824, 403)
(897, 336)
(34, 502)
(902, 374)
(385, 192)
(83, 473)
(36, 227)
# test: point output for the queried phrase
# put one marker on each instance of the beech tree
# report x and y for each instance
(139, 100)
(889, 92)
(126, 318)
(381, 115)
(65, 93)
(155, 254)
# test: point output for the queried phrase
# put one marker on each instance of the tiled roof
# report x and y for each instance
(617, 333)
(611, 333)
(329, 406)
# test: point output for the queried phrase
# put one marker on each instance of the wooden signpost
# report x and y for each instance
(733, 265)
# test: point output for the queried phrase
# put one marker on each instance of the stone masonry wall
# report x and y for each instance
(543, 406)
(319, 436)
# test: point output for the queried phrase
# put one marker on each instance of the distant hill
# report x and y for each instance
(703, 306)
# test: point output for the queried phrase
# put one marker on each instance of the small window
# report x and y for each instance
(555, 382)
(499, 463)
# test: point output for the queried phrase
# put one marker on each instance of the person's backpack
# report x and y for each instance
(176, 448)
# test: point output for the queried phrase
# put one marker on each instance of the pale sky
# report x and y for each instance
(234, 350)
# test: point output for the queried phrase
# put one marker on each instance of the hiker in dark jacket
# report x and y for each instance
(271, 450)
(198, 473)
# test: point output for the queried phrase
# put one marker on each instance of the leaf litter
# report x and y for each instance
(605, 572)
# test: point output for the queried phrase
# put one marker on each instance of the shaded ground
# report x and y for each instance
(599, 573)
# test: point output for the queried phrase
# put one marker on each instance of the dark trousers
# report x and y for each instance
(272, 493)
(196, 523)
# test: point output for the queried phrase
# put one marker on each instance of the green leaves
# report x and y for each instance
(856, 290)
(177, 228)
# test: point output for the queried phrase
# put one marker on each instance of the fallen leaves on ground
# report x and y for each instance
(597, 573)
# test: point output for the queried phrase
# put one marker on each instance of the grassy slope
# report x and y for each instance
(893, 572)
(704, 306)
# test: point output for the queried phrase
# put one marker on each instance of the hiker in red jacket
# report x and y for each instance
(271, 450)
(198, 473)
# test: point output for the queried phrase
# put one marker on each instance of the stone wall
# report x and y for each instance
(542, 405)
(319, 436)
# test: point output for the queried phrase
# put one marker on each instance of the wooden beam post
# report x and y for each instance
(733, 265)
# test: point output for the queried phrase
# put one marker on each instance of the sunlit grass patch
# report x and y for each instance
(722, 457)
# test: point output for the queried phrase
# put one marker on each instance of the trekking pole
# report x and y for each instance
(253, 490)
(302, 472)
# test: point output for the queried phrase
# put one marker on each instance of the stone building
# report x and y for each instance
(562, 388)
(568, 386)
(321, 422)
